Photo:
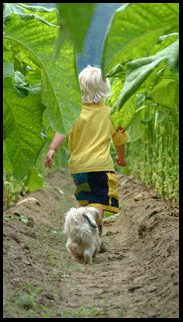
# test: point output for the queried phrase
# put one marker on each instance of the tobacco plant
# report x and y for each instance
(41, 93)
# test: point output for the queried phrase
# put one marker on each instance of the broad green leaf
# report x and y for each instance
(19, 78)
(37, 9)
(125, 116)
(63, 97)
(165, 93)
(135, 29)
(137, 129)
(117, 71)
(6, 162)
(8, 70)
(33, 35)
(10, 8)
(35, 180)
(116, 87)
(161, 114)
(162, 38)
(74, 20)
(21, 129)
(25, 12)
(137, 72)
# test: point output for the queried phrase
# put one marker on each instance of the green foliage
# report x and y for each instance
(141, 58)
(135, 29)
(140, 55)
(137, 72)
(130, 36)
(11, 190)
(34, 83)
(154, 158)
(21, 116)
(31, 38)
(35, 180)
(74, 20)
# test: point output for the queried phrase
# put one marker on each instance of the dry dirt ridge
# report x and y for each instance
(136, 278)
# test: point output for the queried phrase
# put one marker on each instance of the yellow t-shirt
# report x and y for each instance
(90, 140)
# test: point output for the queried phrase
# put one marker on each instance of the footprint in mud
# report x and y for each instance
(116, 257)
(142, 229)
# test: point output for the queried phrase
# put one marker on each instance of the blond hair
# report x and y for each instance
(94, 89)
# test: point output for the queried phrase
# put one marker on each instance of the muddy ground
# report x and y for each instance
(136, 278)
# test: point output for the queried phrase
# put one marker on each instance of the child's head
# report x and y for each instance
(92, 85)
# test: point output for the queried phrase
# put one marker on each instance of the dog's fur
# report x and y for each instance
(83, 227)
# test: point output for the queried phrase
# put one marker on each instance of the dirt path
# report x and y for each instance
(136, 278)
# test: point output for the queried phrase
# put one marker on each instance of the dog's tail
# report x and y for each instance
(91, 222)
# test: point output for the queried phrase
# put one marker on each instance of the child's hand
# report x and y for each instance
(120, 163)
(49, 158)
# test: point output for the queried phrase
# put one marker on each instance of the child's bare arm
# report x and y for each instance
(55, 144)
(57, 141)
(120, 159)
(119, 137)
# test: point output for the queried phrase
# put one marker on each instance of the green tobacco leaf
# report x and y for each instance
(117, 71)
(135, 29)
(161, 114)
(6, 162)
(74, 20)
(137, 72)
(63, 97)
(10, 8)
(165, 93)
(125, 116)
(32, 37)
(8, 70)
(137, 128)
(116, 86)
(34, 180)
(21, 129)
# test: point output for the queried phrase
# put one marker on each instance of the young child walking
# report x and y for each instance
(91, 164)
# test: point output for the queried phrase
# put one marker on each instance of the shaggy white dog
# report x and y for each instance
(83, 227)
